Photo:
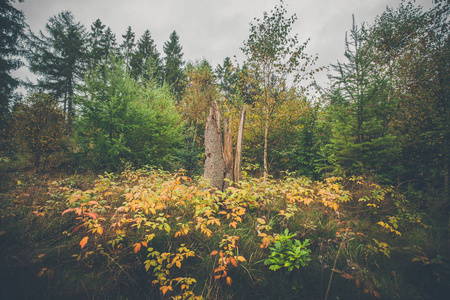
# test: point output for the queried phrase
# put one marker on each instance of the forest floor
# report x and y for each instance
(158, 235)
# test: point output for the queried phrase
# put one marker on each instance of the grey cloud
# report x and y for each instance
(214, 29)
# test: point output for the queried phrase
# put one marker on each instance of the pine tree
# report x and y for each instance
(360, 108)
(173, 65)
(111, 47)
(145, 63)
(415, 49)
(227, 78)
(12, 25)
(102, 43)
(127, 47)
(122, 120)
(59, 58)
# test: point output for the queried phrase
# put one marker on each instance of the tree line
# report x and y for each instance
(385, 113)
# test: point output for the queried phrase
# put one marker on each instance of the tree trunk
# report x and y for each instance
(214, 163)
(266, 133)
(227, 152)
(238, 158)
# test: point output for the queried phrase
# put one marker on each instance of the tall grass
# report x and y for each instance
(152, 234)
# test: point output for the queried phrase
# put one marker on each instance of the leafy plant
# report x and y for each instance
(288, 253)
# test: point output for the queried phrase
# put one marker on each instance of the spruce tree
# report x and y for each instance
(127, 47)
(360, 108)
(96, 43)
(227, 78)
(111, 47)
(12, 27)
(59, 58)
(145, 63)
(173, 65)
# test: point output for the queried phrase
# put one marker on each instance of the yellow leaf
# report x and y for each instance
(229, 281)
(100, 230)
(335, 206)
(241, 258)
(265, 242)
(42, 272)
(84, 241)
(336, 270)
(261, 221)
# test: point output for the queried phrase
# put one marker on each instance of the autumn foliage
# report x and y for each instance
(171, 238)
(39, 128)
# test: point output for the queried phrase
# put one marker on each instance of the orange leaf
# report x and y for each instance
(241, 258)
(84, 241)
(229, 281)
(347, 276)
(265, 242)
(214, 252)
(144, 243)
(137, 247)
(233, 261)
(164, 289)
(92, 215)
(67, 210)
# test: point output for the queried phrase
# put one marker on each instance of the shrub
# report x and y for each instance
(38, 126)
(287, 253)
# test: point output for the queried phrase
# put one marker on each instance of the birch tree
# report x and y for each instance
(276, 63)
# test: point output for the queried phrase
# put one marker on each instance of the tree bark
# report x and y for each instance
(238, 158)
(228, 152)
(214, 163)
(266, 134)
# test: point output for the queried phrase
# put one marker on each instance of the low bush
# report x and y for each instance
(152, 234)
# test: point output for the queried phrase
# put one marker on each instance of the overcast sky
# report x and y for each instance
(215, 29)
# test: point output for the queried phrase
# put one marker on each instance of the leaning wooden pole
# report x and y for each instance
(238, 158)
(228, 151)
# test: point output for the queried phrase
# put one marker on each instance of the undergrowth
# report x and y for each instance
(152, 234)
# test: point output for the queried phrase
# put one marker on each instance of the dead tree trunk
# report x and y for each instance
(238, 158)
(227, 152)
(219, 156)
(214, 163)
